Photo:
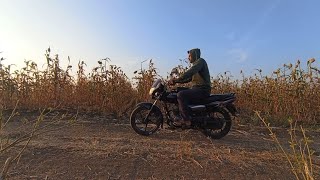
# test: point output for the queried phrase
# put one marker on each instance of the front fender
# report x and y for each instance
(148, 106)
(145, 104)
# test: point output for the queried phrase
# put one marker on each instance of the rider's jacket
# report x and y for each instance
(198, 74)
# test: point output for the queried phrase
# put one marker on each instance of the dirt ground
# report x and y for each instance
(99, 147)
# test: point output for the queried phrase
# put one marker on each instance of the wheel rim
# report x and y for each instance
(221, 118)
(146, 125)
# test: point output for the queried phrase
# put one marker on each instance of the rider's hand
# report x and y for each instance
(172, 82)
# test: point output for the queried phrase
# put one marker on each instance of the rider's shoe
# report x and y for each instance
(186, 125)
(178, 121)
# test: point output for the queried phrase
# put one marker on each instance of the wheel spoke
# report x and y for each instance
(144, 121)
(221, 117)
(141, 116)
(145, 128)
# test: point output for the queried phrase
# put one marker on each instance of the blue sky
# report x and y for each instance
(233, 35)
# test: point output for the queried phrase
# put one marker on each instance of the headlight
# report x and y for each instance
(155, 86)
(151, 90)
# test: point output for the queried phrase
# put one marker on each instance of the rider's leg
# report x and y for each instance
(183, 101)
(187, 97)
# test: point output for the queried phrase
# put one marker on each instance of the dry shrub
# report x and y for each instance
(144, 80)
(106, 89)
(14, 135)
(299, 156)
(291, 91)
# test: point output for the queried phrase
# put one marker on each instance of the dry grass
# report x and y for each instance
(290, 91)
(25, 132)
(105, 89)
(300, 155)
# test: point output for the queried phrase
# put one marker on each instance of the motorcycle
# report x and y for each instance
(213, 116)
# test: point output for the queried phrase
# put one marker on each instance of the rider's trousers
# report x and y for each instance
(189, 97)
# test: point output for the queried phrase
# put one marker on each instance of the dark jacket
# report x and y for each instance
(198, 74)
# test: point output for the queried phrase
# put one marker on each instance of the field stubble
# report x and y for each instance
(100, 147)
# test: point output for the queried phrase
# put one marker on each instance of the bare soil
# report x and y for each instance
(100, 147)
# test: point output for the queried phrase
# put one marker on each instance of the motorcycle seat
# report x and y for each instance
(220, 97)
(197, 107)
(213, 99)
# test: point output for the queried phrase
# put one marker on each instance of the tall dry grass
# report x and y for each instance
(144, 79)
(291, 91)
(105, 89)
(9, 145)
(300, 154)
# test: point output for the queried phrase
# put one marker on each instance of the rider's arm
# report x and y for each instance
(187, 76)
(179, 80)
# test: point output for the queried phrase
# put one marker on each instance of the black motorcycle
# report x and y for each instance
(213, 116)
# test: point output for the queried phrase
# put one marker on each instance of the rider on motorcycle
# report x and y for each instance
(199, 76)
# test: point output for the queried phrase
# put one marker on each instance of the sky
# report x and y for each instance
(233, 35)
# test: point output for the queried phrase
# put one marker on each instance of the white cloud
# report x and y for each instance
(238, 55)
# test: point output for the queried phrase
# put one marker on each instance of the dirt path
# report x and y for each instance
(97, 148)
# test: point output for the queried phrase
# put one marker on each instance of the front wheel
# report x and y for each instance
(146, 122)
(222, 118)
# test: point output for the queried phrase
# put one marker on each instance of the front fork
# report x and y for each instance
(169, 119)
(166, 110)
(146, 118)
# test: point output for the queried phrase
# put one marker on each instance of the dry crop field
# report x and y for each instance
(55, 125)
(292, 91)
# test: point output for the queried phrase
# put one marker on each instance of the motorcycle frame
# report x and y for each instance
(226, 104)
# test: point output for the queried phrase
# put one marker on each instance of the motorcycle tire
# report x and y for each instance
(222, 116)
(144, 126)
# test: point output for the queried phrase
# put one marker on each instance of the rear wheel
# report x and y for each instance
(223, 123)
(144, 124)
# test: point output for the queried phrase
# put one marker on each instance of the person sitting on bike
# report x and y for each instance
(199, 76)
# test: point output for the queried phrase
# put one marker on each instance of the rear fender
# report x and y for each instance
(232, 109)
(227, 104)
